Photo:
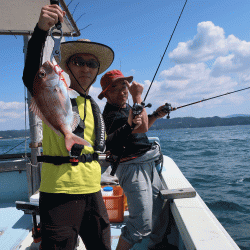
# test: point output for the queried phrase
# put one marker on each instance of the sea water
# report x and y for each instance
(14, 146)
(216, 161)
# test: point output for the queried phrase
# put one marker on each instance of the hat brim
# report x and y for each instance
(102, 94)
(103, 53)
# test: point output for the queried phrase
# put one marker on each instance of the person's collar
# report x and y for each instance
(84, 95)
(116, 106)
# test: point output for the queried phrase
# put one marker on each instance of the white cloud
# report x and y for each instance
(11, 110)
(210, 64)
(208, 43)
(237, 61)
(231, 55)
(187, 83)
(11, 105)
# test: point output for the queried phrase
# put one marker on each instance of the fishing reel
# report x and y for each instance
(167, 109)
(138, 107)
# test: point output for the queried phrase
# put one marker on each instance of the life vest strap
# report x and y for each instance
(59, 160)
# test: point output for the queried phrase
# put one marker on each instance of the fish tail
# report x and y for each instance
(72, 139)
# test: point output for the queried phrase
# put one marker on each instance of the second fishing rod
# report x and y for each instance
(168, 108)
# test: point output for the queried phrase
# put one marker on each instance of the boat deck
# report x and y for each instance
(194, 225)
(14, 226)
(28, 243)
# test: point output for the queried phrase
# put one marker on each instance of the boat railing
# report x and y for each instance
(197, 226)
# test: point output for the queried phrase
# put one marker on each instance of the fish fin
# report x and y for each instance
(34, 108)
(76, 121)
(72, 139)
(72, 93)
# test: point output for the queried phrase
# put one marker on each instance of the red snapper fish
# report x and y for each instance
(51, 102)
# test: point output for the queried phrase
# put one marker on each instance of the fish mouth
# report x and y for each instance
(48, 67)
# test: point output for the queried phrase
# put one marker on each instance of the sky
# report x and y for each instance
(208, 55)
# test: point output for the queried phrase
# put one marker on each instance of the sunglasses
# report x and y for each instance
(80, 62)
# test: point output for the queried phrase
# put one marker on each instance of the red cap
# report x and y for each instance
(111, 77)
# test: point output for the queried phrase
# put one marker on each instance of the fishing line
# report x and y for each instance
(85, 27)
(79, 17)
(164, 52)
(74, 9)
(70, 3)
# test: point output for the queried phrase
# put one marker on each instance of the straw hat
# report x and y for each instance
(103, 53)
(110, 78)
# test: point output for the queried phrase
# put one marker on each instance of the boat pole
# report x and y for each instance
(33, 167)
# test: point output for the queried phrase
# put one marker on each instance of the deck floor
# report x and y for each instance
(14, 226)
(28, 243)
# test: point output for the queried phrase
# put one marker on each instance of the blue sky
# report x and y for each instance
(209, 54)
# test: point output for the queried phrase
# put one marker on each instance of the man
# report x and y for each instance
(70, 202)
(137, 173)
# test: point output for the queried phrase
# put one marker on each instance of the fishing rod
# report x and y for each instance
(168, 108)
(137, 108)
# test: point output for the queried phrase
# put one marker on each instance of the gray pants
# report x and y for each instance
(141, 184)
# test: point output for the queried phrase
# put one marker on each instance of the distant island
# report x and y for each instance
(192, 122)
(9, 134)
(174, 123)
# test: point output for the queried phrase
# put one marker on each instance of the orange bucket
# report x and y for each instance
(125, 203)
(115, 204)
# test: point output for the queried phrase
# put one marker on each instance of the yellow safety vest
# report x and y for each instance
(84, 178)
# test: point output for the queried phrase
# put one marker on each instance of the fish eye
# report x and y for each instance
(42, 74)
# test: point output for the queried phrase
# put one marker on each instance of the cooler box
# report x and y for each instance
(115, 204)
(35, 198)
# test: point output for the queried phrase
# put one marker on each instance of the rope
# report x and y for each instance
(15, 147)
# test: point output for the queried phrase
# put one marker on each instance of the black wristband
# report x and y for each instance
(154, 114)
